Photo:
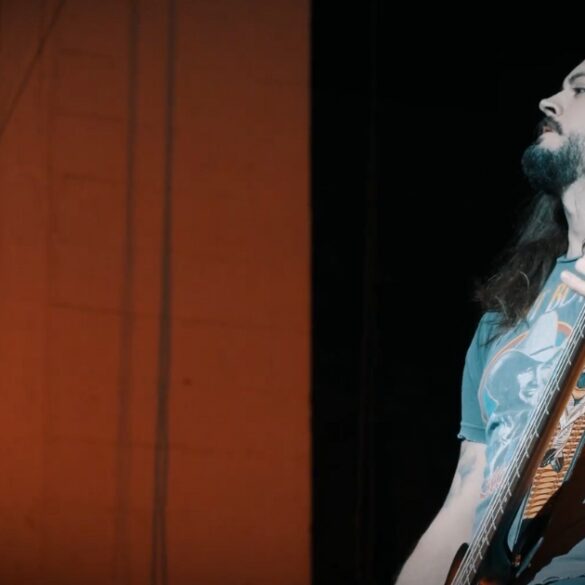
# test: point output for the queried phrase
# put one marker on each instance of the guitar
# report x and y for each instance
(553, 514)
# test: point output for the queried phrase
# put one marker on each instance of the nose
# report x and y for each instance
(542, 374)
(551, 107)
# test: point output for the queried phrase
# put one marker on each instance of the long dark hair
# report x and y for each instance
(526, 263)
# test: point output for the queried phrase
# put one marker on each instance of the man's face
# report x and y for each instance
(532, 380)
(567, 108)
(557, 158)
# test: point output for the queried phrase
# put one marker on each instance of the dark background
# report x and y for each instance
(417, 186)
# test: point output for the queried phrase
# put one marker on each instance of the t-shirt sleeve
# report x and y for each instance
(472, 425)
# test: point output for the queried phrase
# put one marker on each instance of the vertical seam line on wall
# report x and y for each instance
(159, 572)
(30, 68)
(2, 21)
(50, 89)
(365, 513)
(124, 429)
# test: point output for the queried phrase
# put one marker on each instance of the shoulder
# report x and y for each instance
(487, 329)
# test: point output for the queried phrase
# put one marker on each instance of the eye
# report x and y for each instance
(579, 90)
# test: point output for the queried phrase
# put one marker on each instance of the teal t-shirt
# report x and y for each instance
(502, 381)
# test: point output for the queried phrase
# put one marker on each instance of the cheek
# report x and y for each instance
(574, 121)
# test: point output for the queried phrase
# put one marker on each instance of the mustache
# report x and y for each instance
(548, 123)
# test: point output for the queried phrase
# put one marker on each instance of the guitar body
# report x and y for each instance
(556, 530)
(559, 526)
(456, 563)
(548, 492)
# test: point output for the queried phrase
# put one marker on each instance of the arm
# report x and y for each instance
(434, 553)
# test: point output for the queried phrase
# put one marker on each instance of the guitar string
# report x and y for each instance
(537, 416)
(542, 409)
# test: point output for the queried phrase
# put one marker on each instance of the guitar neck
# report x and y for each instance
(526, 458)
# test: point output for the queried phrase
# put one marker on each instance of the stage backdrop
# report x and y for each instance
(154, 292)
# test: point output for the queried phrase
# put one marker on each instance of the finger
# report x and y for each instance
(573, 281)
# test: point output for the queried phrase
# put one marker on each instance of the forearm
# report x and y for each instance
(431, 559)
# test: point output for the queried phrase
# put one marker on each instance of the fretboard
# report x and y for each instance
(518, 466)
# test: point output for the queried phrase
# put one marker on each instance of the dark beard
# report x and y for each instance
(552, 171)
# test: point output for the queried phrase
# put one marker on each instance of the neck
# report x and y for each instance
(574, 204)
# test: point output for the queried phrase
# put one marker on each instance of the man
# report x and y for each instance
(530, 307)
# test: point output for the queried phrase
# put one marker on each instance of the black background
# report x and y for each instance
(416, 186)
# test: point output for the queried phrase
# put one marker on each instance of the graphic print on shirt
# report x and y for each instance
(515, 377)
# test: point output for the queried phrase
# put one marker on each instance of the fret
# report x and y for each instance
(467, 572)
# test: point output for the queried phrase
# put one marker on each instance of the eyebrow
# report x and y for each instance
(574, 77)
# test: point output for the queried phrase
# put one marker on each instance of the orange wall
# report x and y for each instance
(82, 191)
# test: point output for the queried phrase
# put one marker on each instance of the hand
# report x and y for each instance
(572, 280)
